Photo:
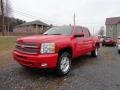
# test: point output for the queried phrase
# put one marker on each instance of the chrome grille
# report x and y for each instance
(28, 48)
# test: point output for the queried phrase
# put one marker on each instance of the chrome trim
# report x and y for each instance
(27, 48)
(25, 51)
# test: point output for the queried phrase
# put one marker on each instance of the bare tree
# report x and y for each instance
(8, 13)
(5, 12)
(5, 6)
(8, 8)
(0, 7)
(101, 31)
(2, 15)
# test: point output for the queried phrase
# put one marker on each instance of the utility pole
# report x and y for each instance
(2, 14)
(74, 19)
(93, 31)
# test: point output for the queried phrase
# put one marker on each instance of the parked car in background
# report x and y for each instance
(108, 41)
(101, 38)
(55, 48)
(118, 44)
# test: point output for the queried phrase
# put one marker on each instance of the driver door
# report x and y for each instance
(79, 42)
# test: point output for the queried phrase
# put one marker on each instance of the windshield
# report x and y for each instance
(64, 30)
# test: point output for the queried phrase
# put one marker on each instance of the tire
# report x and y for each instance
(119, 51)
(64, 64)
(103, 45)
(95, 52)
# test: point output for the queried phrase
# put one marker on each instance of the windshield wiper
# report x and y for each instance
(45, 34)
(52, 34)
(56, 34)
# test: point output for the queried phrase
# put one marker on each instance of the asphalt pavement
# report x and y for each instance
(88, 73)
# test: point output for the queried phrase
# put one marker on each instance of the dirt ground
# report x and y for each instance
(88, 73)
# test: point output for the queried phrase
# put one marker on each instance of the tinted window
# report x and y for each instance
(86, 33)
(77, 30)
(64, 30)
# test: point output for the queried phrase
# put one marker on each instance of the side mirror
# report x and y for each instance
(81, 34)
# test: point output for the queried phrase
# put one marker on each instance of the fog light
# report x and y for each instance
(43, 64)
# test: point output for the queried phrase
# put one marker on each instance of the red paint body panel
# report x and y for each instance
(35, 61)
(79, 46)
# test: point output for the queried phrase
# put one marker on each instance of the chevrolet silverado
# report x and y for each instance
(56, 48)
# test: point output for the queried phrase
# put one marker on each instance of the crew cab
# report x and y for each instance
(56, 48)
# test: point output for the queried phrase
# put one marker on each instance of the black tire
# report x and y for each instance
(95, 52)
(59, 71)
(119, 51)
(103, 45)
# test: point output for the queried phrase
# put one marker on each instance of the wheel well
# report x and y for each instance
(67, 49)
(97, 45)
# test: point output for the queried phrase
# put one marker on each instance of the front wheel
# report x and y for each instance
(95, 52)
(64, 64)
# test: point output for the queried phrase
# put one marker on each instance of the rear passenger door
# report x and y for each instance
(88, 41)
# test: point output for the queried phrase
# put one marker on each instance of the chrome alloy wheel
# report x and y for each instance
(65, 64)
(96, 51)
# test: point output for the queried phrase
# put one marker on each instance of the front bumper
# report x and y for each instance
(36, 61)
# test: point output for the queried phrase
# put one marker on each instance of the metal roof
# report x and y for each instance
(37, 22)
(112, 20)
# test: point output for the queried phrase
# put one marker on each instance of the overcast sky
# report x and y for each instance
(89, 13)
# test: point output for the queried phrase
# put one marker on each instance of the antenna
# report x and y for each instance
(93, 31)
(74, 19)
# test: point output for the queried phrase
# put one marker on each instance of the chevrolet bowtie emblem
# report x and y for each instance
(22, 46)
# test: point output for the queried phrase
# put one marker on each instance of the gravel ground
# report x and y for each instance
(88, 73)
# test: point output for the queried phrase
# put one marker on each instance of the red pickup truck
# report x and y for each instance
(55, 48)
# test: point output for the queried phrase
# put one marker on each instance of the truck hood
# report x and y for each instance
(42, 38)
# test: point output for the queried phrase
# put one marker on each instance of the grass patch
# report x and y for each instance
(7, 43)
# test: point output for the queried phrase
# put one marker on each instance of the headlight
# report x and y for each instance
(47, 48)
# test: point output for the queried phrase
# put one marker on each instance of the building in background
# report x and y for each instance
(113, 27)
(10, 23)
(34, 27)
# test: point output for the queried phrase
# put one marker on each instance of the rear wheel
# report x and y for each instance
(64, 64)
(103, 45)
(119, 51)
(95, 52)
